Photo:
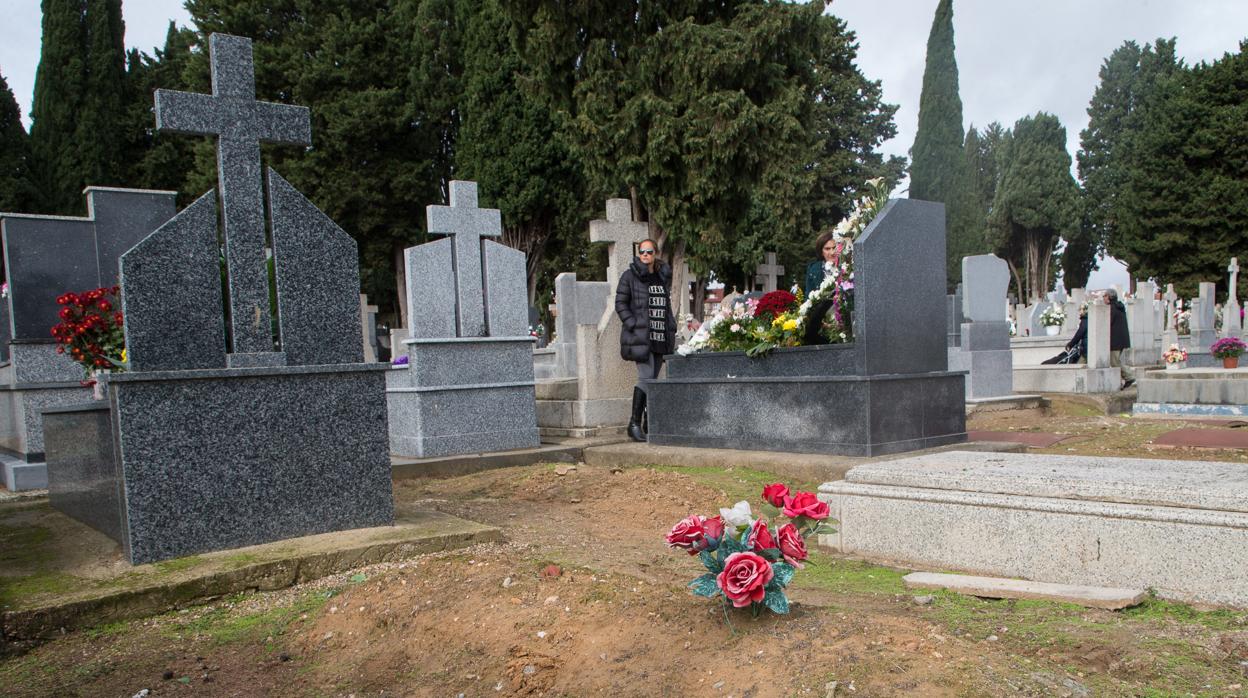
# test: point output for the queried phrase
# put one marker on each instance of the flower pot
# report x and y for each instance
(1052, 330)
(1230, 362)
(1174, 366)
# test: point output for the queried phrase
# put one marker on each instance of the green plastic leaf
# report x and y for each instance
(357, 578)
(705, 586)
(184, 679)
(825, 529)
(783, 572)
(777, 602)
(708, 560)
(729, 546)
(771, 554)
(760, 349)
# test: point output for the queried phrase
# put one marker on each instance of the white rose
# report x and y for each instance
(739, 515)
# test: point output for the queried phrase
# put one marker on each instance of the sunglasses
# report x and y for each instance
(641, 252)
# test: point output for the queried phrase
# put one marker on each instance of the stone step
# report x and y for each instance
(556, 389)
(998, 588)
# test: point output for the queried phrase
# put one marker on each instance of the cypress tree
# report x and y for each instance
(17, 190)
(938, 170)
(935, 171)
(59, 87)
(101, 134)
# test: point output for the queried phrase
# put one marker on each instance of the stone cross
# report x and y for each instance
(769, 273)
(1232, 326)
(241, 124)
(467, 224)
(621, 233)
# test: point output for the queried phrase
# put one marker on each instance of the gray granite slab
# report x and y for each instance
(122, 218)
(468, 362)
(83, 482)
(899, 290)
(467, 224)
(985, 281)
(36, 361)
(176, 267)
(240, 124)
(431, 289)
(474, 419)
(318, 281)
(293, 452)
(506, 290)
(45, 257)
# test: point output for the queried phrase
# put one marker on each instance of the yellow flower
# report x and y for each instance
(776, 321)
(790, 324)
(123, 355)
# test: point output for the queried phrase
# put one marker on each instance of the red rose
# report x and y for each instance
(64, 313)
(744, 577)
(688, 534)
(105, 305)
(775, 494)
(117, 318)
(805, 504)
(760, 538)
(792, 545)
(713, 527)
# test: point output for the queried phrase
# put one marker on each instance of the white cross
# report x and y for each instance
(467, 224)
(769, 273)
(620, 233)
(1234, 270)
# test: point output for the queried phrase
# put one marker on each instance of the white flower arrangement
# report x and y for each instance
(1053, 316)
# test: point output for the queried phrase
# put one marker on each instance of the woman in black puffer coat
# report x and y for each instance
(643, 302)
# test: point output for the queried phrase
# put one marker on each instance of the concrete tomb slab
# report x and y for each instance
(1057, 519)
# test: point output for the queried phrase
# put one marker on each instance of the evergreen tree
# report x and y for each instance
(1187, 185)
(17, 189)
(100, 135)
(938, 160)
(59, 88)
(159, 160)
(509, 143)
(1036, 202)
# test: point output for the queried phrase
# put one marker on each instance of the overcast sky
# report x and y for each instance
(1015, 57)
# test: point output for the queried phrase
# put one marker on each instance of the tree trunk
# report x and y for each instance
(1018, 280)
(400, 281)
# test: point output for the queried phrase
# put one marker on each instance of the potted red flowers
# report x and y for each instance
(91, 332)
(1228, 349)
(748, 562)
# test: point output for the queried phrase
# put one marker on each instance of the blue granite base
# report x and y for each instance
(1189, 409)
(224, 458)
(842, 415)
(21, 414)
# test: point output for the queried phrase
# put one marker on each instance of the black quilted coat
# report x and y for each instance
(632, 298)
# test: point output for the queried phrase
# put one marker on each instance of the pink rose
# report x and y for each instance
(713, 527)
(805, 504)
(744, 577)
(775, 494)
(792, 545)
(688, 534)
(760, 538)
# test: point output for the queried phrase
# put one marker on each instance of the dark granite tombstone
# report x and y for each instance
(889, 391)
(210, 446)
(45, 256)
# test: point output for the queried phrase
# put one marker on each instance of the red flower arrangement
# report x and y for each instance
(748, 563)
(91, 330)
(775, 303)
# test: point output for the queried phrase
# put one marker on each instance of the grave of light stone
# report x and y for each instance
(1141, 325)
(468, 384)
(953, 312)
(205, 445)
(45, 256)
(1094, 376)
(768, 273)
(368, 329)
(888, 391)
(1201, 320)
(593, 392)
(984, 350)
(1232, 323)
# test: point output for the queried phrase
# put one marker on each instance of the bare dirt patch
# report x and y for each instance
(616, 619)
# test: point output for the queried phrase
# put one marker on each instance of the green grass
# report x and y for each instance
(848, 576)
(1155, 609)
(178, 564)
(737, 483)
(14, 589)
(223, 625)
(24, 546)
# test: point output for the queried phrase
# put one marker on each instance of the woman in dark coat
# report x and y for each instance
(827, 251)
(643, 302)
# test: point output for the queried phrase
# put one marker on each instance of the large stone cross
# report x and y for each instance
(467, 224)
(621, 233)
(241, 124)
(768, 273)
(1232, 326)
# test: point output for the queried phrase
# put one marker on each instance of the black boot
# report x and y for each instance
(634, 421)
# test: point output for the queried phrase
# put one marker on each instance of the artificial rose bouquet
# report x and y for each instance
(749, 562)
